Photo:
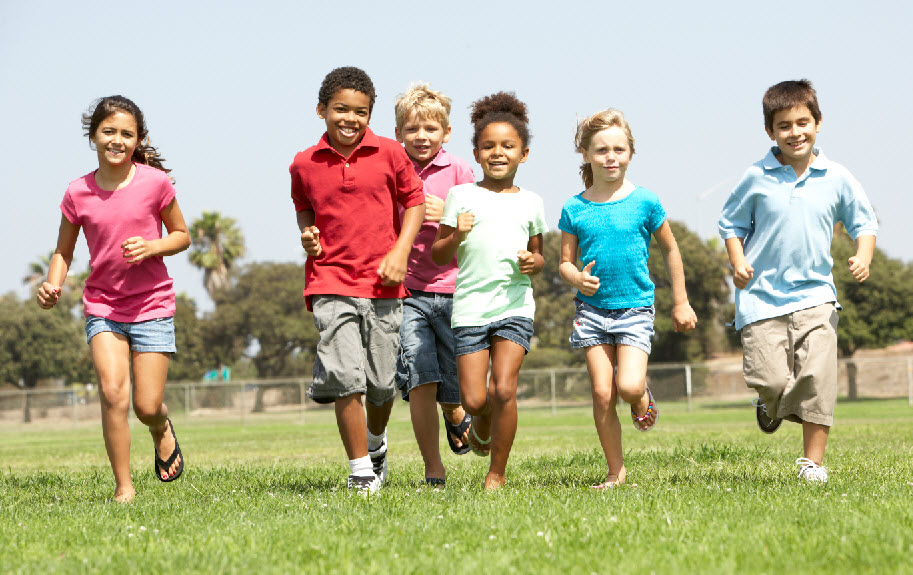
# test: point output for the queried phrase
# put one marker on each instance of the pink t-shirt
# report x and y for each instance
(444, 172)
(115, 289)
(354, 201)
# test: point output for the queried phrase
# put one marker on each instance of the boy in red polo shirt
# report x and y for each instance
(346, 190)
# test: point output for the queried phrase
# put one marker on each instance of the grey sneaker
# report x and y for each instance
(811, 471)
(379, 461)
(364, 484)
(766, 423)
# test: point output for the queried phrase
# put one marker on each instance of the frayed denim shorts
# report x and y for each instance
(628, 326)
(476, 338)
(155, 335)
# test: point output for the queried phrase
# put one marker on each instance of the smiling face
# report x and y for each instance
(608, 154)
(795, 131)
(115, 139)
(422, 137)
(500, 151)
(346, 115)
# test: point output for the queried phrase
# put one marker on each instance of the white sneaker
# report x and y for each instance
(379, 462)
(364, 484)
(811, 471)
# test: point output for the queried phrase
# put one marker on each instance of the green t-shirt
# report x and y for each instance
(489, 285)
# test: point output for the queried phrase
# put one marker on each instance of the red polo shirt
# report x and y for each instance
(354, 201)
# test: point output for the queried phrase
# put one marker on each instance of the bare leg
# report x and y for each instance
(426, 426)
(631, 379)
(111, 356)
(350, 419)
(506, 358)
(472, 370)
(600, 362)
(814, 440)
(377, 417)
(150, 370)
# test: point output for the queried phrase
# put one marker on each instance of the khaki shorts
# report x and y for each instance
(791, 361)
(358, 347)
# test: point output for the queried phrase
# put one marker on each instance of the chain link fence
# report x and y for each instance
(242, 401)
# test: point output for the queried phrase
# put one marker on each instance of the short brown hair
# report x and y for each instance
(789, 94)
(427, 103)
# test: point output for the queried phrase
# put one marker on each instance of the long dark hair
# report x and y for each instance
(144, 153)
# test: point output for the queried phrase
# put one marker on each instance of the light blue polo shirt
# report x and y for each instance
(788, 224)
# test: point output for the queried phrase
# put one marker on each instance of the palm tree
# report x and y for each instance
(216, 242)
(38, 272)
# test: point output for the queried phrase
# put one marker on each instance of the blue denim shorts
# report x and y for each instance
(628, 326)
(476, 338)
(426, 352)
(152, 335)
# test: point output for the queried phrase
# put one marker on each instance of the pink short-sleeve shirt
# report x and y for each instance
(118, 290)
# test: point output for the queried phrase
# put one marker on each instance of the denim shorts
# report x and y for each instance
(476, 338)
(426, 346)
(155, 335)
(628, 326)
(357, 349)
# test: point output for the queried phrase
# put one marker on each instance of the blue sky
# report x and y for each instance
(229, 91)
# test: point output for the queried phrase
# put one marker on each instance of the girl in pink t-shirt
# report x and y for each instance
(128, 297)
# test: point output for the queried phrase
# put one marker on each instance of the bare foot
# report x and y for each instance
(612, 480)
(494, 481)
(164, 447)
(642, 410)
(124, 494)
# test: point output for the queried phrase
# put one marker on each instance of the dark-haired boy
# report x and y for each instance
(346, 190)
(778, 225)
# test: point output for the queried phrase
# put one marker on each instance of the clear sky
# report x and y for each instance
(229, 91)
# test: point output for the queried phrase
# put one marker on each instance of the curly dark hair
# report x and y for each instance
(500, 107)
(346, 78)
(104, 107)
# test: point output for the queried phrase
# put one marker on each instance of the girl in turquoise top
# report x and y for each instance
(495, 230)
(611, 223)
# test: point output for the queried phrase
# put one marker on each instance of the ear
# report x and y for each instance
(447, 133)
(321, 111)
(770, 133)
(524, 155)
(398, 134)
(818, 124)
(475, 154)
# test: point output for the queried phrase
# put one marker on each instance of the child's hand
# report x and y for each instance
(587, 283)
(310, 241)
(136, 249)
(434, 208)
(741, 275)
(859, 267)
(392, 269)
(527, 262)
(48, 295)
(683, 317)
(464, 223)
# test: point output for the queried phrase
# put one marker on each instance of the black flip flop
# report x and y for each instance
(164, 465)
(458, 431)
(435, 482)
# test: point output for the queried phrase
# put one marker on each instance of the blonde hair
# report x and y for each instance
(589, 127)
(427, 103)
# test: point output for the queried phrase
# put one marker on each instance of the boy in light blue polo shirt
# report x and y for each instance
(778, 225)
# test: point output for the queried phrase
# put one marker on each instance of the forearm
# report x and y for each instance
(412, 221)
(676, 270)
(865, 248)
(736, 253)
(58, 268)
(305, 219)
(174, 243)
(569, 273)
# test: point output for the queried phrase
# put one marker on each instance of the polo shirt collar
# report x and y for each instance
(770, 161)
(368, 140)
(441, 160)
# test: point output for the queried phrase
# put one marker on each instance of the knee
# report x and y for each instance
(504, 390)
(474, 403)
(603, 398)
(147, 413)
(631, 389)
(113, 396)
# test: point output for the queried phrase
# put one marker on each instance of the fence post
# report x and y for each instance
(75, 401)
(910, 381)
(243, 407)
(688, 384)
(554, 396)
(302, 398)
(186, 399)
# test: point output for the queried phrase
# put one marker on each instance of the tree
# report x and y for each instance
(73, 285)
(193, 358)
(216, 243)
(554, 312)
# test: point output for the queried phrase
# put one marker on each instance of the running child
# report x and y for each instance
(610, 224)
(346, 191)
(778, 225)
(128, 297)
(495, 230)
(426, 371)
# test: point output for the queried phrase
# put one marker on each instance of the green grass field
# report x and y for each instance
(707, 493)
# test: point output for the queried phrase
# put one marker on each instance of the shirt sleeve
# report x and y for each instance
(68, 208)
(451, 208)
(736, 219)
(166, 191)
(565, 223)
(410, 189)
(537, 224)
(657, 215)
(857, 215)
(299, 190)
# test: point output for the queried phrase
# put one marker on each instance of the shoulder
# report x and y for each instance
(81, 183)
(645, 195)
(573, 203)
(306, 156)
(462, 190)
